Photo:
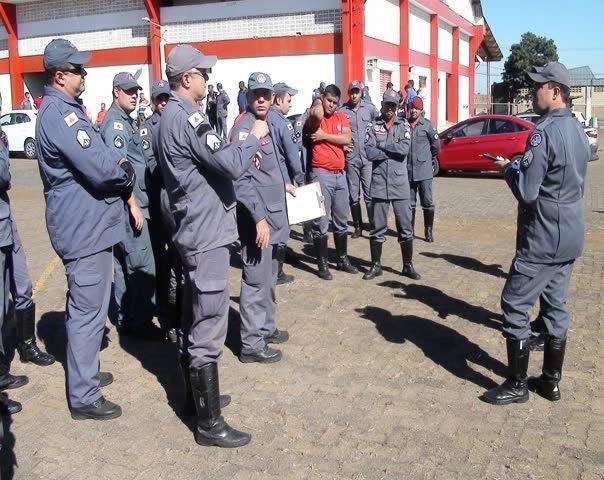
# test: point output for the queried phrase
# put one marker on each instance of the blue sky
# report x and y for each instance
(575, 26)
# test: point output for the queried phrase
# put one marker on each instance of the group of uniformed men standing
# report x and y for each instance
(176, 177)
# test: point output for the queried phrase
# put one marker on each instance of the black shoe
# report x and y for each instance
(320, 242)
(266, 355)
(546, 385)
(514, 389)
(278, 336)
(100, 410)
(105, 378)
(376, 260)
(343, 262)
(407, 253)
(357, 219)
(212, 429)
(9, 406)
(26, 338)
(429, 225)
(282, 277)
(10, 382)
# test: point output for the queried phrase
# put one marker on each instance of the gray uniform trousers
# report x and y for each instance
(527, 282)
(4, 288)
(425, 193)
(358, 174)
(222, 127)
(334, 189)
(134, 278)
(402, 216)
(89, 290)
(206, 305)
(258, 285)
(20, 281)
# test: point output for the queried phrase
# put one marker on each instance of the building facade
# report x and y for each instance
(302, 43)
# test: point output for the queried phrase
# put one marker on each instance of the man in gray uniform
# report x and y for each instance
(198, 170)
(549, 185)
(222, 101)
(425, 145)
(262, 223)
(286, 144)
(360, 114)
(83, 185)
(387, 147)
(134, 282)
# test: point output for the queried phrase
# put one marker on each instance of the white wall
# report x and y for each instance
(442, 99)
(463, 8)
(419, 30)
(293, 70)
(464, 49)
(445, 41)
(5, 90)
(464, 98)
(372, 79)
(383, 20)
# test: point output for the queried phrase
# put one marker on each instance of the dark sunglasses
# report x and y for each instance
(79, 70)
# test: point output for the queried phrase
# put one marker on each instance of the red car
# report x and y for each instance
(462, 144)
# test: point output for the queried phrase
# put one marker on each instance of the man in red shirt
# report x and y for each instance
(330, 132)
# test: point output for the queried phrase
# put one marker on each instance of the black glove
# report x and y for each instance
(129, 169)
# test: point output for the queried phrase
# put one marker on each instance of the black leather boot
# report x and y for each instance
(357, 219)
(212, 429)
(282, 277)
(537, 342)
(8, 381)
(343, 263)
(413, 220)
(320, 242)
(429, 225)
(514, 389)
(101, 409)
(369, 206)
(376, 260)
(407, 253)
(307, 232)
(189, 404)
(9, 406)
(26, 338)
(553, 358)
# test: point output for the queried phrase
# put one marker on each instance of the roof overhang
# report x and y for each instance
(489, 49)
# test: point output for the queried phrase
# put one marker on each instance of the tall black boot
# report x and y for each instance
(343, 263)
(429, 225)
(407, 253)
(376, 260)
(357, 219)
(282, 277)
(320, 242)
(369, 206)
(212, 429)
(307, 232)
(26, 338)
(189, 404)
(514, 389)
(553, 358)
(413, 221)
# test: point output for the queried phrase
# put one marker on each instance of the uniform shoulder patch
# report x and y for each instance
(118, 141)
(196, 119)
(213, 142)
(83, 138)
(71, 119)
(143, 132)
(242, 136)
(536, 139)
(290, 126)
(436, 136)
(407, 135)
(118, 126)
(146, 144)
(526, 159)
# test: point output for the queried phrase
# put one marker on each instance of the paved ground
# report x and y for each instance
(379, 381)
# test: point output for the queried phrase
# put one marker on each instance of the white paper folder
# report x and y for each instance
(308, 204)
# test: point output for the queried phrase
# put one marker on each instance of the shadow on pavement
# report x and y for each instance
(8, 460)
(469, 263)
(441, 344)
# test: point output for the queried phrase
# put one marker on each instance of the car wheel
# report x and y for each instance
(29, 149)
(435, 166)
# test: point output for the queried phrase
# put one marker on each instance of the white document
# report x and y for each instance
(308, 204)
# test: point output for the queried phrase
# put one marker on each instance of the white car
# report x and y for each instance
(20, 128)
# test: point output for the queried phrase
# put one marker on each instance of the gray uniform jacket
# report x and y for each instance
(286, 142)
(299, 133)
(261, 191)
(120, 132)
(198, 172)
(82, 180)
(388, 149)
(6, 235)
(360, 122)
(150, 129)
(548, 183)
(222, 100)
(425, 144)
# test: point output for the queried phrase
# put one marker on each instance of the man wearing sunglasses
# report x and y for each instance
(549, 185)
(84, 182)
(134, 278)
(198, 170)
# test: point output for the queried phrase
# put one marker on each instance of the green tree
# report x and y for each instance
(532, 50)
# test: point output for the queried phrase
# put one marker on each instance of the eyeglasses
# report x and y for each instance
(79, 70)
(204, 74)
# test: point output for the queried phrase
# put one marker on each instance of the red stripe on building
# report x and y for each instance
(8, 12)
(434, 69)
(404, 53)
(153, 10)
(381, 49)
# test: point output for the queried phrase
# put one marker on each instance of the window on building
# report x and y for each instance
(599, 89)
(385, 77)
(576, 89)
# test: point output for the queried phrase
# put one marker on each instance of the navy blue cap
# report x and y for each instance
(60, 51)
(126, 81)
(550, 72)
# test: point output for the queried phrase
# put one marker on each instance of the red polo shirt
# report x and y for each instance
(327, 155)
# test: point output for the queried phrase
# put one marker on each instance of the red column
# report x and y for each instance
(403, 54)
(153, 10)
(8, 12)
(475, 42)
(353, 35)
(434, 69)
(453, 85)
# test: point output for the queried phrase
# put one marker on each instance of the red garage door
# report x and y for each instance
(385, 77)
